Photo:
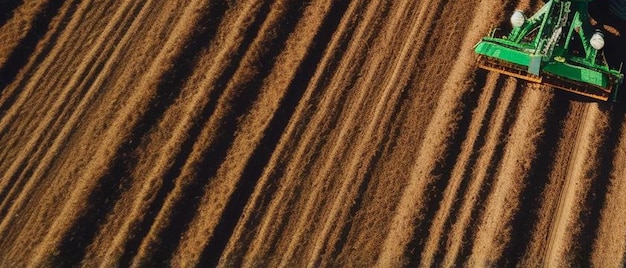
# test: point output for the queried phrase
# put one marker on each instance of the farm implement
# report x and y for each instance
(557, 46)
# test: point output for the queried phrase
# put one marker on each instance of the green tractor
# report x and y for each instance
(558, 47)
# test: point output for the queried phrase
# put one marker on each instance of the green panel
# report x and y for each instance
(591, 76)
(577, 73)
(502, 52)
(507, 51)
(541, 47)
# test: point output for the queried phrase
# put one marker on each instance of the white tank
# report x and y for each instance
(518, 19)
(597, 41)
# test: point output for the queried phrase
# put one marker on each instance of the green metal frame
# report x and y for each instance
(541, 50)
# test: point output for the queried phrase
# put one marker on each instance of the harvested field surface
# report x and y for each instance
(293, 133)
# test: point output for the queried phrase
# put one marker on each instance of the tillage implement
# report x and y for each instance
(557, 46)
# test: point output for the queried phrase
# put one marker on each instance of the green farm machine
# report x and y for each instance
(557, 46)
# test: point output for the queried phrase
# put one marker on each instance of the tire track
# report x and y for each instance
(537, 246)
(443, 123)
(297, 133)
(577, 180)
(458, 173)
(538, 181)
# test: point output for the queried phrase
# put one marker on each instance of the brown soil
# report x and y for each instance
(293, 133)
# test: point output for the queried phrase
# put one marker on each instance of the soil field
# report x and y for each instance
(293, 133)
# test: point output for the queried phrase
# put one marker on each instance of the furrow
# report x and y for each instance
(110, 242)
(249, 15)
(459, 173)
(492, 234)
(479, 176)
(577, 182)
(440, 129)
(231, 175)
(13, 32)
(537, 245)
(66, 108)
(124, 120)
(309, 140)
(33, 140)
(610, 245)
(389, 96)
(37, 180)
(338, 144)
(250, 216)
(9, 115)
(9, 150)
(43, 100)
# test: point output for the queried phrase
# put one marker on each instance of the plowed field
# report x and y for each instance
(293, 133)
